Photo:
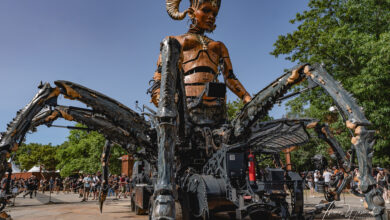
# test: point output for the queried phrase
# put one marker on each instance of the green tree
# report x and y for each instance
(351, 38)
(82, 153)
(233, 108)
(29, 155)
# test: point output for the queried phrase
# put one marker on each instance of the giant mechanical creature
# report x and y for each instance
(200, 156)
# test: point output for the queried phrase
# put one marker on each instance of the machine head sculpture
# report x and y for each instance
(205, 163)
(173, 8)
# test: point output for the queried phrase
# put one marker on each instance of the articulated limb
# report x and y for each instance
(96, 122)
(107, 116)
(352, 114)
(263, 101)
(121, 116)
(21, 123)
(336, 150)
(5, 167)
(104, 186)
(344, 160)
(114, 120)
(3, 162)
(362, 142)
(164, 202)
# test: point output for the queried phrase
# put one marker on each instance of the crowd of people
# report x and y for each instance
(86, 186)
(315, 179)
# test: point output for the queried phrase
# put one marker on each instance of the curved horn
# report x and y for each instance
(173, 10)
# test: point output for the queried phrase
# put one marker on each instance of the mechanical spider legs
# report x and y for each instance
(164, 201)
(104, 186)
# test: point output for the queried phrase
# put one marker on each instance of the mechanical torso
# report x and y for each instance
(201, 58)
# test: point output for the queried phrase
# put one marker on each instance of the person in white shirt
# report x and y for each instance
(316, 179)
(327, 175)
(87, 186)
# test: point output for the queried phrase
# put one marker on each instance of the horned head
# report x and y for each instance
(173, 7)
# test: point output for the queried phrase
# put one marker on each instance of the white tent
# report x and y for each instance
(34, 169)
(15, 168)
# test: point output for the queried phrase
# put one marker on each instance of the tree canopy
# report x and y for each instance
(82, 153)
(29, 155)
(351, 38)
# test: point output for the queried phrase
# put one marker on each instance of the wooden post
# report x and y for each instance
(287, 153)
(288, 160)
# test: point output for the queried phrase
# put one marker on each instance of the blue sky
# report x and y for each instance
(112, 46)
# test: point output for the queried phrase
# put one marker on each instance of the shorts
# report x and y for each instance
(382, 184)
(310, 185)
(87, 189)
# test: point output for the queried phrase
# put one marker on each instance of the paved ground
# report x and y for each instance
(349, 207)
(70, 207)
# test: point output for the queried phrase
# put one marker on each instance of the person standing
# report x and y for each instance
(116, 186)
(42, 185)
(30, 188)
(327, 177)
(127, 180)
(316, 179)
(122, 188)
(310, 182)
(383, 182)
(110, 187)
(35, 183)
(95, 186)
(87, 186)
(80, 186)
(51, 184)
(387, 175)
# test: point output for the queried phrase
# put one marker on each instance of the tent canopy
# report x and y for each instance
(34, 169)
(15, 168)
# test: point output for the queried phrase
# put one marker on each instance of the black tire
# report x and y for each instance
(186, 213)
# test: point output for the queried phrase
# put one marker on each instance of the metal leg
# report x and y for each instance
(373, 196)
(104, 185)
(164, 202)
